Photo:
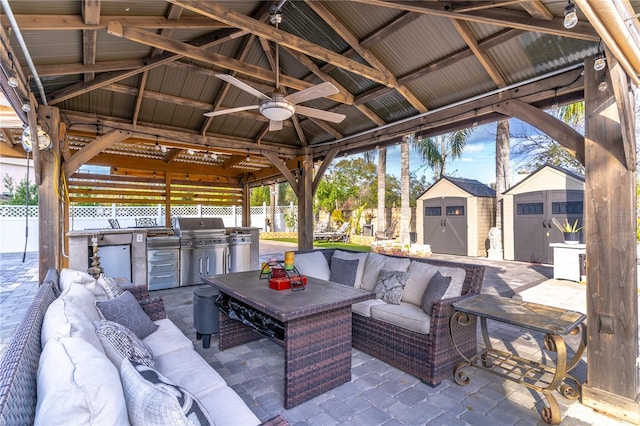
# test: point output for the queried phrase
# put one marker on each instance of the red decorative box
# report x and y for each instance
(284, 283)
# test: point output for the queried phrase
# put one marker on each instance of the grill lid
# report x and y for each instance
(199, 225)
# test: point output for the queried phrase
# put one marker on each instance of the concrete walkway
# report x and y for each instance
(377, 394)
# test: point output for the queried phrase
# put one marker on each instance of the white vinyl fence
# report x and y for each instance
(14, 226)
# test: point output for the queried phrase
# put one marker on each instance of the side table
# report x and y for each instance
(554, 322)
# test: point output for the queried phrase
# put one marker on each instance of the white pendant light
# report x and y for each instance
(570, 15)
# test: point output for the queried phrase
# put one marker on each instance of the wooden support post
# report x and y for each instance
(49, 203)
(246, 205)
(612, 291)
(167, 200)
(305, 203)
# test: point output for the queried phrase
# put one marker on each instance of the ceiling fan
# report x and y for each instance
(278, 106)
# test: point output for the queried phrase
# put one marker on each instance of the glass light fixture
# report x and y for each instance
(12, 79)
(248, 158)
(600, 62)
(603, 85)
(26, 106)
(474, 125)
(190, 151)
(570, 15)
(163, 149)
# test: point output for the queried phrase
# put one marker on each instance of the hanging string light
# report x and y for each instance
(570, 15)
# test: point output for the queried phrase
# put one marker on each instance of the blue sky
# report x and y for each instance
(477, 162)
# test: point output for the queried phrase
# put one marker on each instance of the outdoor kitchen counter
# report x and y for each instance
(80, 247)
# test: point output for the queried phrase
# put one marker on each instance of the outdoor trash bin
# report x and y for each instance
(205, 314)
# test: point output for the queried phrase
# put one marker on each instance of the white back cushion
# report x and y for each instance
(421, 274)
(313, 264)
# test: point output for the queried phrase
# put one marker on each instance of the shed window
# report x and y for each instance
(530, 208)
(433, 211)
(455, 210)
(567, 207)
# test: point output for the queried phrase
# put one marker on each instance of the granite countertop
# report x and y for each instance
(106, 231)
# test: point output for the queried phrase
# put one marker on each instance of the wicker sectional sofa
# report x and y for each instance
(67, 375)
(403, 335)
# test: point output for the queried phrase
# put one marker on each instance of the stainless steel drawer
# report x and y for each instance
(163, 268)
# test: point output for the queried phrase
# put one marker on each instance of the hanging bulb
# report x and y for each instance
(26, 106)
(570, 15)
(419, 139)
(163, 149)
(12, 79)
(214, 156)
(600, 62)
(248, 158)
(190, 151)
(157, 146)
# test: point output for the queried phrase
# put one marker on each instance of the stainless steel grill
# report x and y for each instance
(204, 248)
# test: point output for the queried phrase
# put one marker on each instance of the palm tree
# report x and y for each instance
(405, 212)
(436, 151)
(382, 188)
(502, 165)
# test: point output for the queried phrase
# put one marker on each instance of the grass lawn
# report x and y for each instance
(328, 244)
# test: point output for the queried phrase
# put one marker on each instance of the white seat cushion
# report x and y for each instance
(405, 315)
(313, 264)
(167, 338)
(457, 280)
(364, 308)
(78, 384)
(71, 315)
(188, 369)
(226, 408)
(421, 274)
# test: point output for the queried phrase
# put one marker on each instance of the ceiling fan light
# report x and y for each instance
(570, 16)
(600, 62)
(277, 110)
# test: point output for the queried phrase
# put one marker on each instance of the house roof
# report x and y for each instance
(148, 68)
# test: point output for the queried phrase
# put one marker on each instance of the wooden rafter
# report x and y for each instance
(479, 52)
(347, 36)
(220, 13)
(81, 88)
(141, 87)
(91, 150)
(495, 16)
(537, 10)
(91, 16)
(145, 37)
(76, 23)
(173, 14)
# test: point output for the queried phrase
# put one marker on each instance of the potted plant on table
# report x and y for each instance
(571, 231)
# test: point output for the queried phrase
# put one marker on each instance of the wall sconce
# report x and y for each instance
(570, 15)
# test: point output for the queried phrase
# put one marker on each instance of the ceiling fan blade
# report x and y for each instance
(242, 85)
(322, 115)
(230, 110)
(314, 92)
(275, 125)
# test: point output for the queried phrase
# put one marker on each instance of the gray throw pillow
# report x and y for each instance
(126, 310)
(344, 271)
(119, 342)
(390, 286)
(110, 286)
(153, 400)
(435, 290)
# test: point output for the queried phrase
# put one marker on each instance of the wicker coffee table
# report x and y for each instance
(313, 326)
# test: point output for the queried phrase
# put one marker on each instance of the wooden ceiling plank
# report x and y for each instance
(187, 50)
(218, 12)
(76, 23)
(139, 97)
(81, 88)
(497, 16)
(347, 36)
(487, 63)
(92, 149)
